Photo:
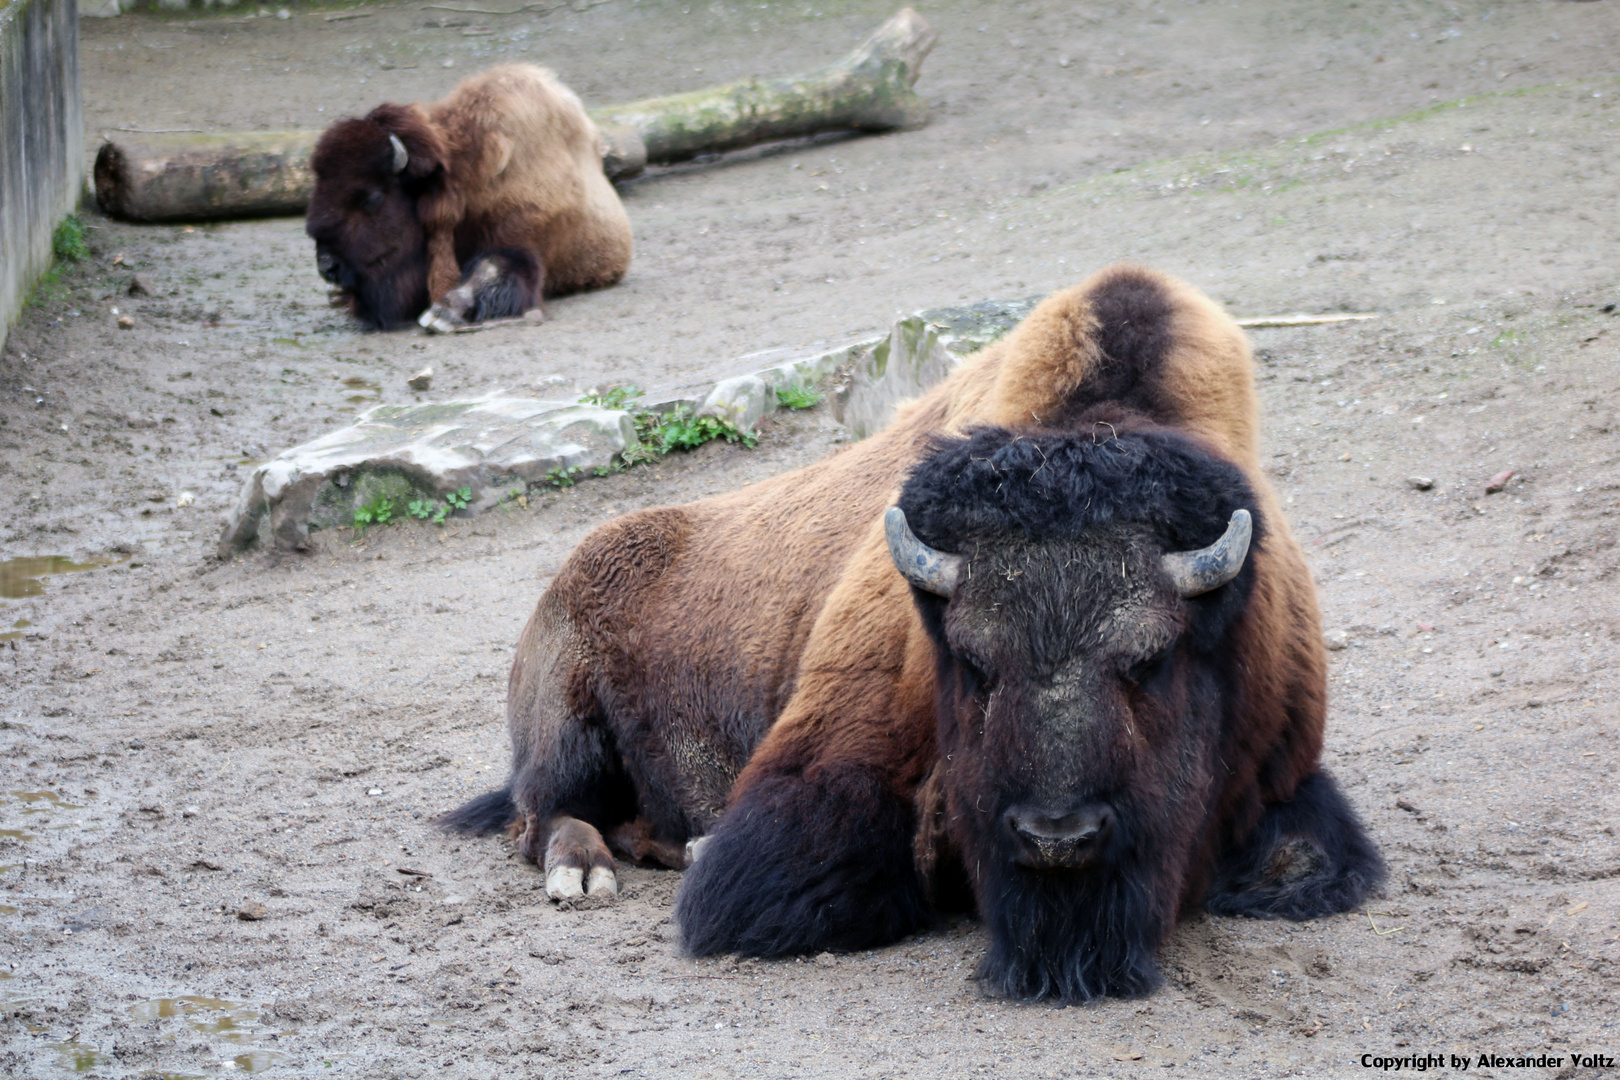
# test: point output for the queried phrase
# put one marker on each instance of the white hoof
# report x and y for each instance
(565, 883)
(694, 848)
(436, 320)
(602, 882)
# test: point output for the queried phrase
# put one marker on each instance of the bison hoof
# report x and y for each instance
(439, 319)
(565, 883)
(578, 863)
(694, 848)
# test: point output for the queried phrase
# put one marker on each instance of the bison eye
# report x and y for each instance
(974, 677)
(373, 200)
(1149, 672)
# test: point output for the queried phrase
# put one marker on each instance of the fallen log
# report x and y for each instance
(181, 176)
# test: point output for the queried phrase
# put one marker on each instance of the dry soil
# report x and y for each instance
(217, 776)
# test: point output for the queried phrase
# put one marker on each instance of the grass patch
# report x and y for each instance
(68, 241)
(799, 397)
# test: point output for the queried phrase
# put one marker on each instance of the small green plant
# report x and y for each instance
(798, 397)
(561, 477)
(421, 509)
(68, 240)
(379, 511)
(459, 498)
(614, 397)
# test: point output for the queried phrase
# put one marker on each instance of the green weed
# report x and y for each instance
(798, 397)
(614, 397)
(562, 477)
(379, 511)
(68, 240)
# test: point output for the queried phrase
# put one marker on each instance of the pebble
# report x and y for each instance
(251, 912)
(191, 811)
(140, 285)
(422, 380)
(1421, 483)
(1337, 639)
(1499, 481)
(186, 499)
(125, 322)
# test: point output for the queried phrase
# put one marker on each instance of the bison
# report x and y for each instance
(1044, 646)
(483, 203)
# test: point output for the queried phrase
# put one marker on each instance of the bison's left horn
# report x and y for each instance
(1197, 572)
(929, 570)
(401, 157)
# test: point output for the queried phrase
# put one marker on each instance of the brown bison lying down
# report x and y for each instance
(1074, 678)
(485, 202)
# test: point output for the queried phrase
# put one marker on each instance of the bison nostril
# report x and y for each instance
(1062, 838)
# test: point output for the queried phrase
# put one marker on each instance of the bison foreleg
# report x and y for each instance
(802, 863)
(499, 284)
(577, 861)
(1306, 858)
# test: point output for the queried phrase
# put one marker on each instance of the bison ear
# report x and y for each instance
(417, 151)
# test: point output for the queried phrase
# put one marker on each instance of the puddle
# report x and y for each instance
(51, 799)
(368, 391)
(72, 1055)
(16, 630)
(25, 577)
(7, 909)
(255, 1060)
(18, 835)
(229, 1021)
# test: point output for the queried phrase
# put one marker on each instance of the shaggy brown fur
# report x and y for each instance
(685, 656)
(509, 162)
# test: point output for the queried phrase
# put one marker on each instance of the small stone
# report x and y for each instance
(534, 315)
(185, 499)
(283, 14)
(140, 285)
(375, 791)
(1336, 639)
(252, 912)
(191, 811)
(1499, 481)
(422, 380)
(125, 322)
(1421, 483)
(1344, 457)
(1402, 804)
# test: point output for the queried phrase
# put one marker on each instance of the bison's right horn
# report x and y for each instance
(929, 570)
(401, 157)
(1197, 572)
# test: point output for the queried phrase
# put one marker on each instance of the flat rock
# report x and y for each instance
(493, 444)
(405, 452)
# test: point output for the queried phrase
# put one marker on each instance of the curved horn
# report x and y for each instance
(401, 157)
(1197, 572)
(929, 570)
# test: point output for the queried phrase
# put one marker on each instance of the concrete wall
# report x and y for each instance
(41, 139)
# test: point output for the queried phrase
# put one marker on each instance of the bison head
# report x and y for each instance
(369, 240)
(1079, 592)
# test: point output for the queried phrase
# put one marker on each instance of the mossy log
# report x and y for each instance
(200, 177)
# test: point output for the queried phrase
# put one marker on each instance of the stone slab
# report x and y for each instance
(498, 444)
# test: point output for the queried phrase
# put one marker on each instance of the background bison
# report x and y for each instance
(485, 202)
(1090, 699)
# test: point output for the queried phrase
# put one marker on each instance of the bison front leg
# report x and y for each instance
(802, 863)
(1307, 858)
(573, 854)
(495, 285)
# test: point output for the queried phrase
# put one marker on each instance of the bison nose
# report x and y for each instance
(1047, 840)
(326, 264)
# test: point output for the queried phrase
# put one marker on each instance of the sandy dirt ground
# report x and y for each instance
(217, 777)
